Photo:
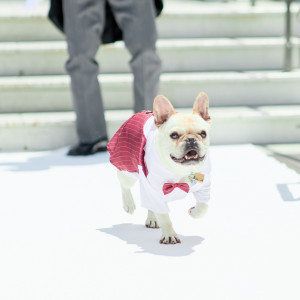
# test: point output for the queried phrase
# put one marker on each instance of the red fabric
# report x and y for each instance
(126, 148)
(169, 187)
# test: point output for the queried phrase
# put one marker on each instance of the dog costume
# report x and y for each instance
(132, 151)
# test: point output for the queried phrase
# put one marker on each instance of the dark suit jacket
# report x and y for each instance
(112, 31)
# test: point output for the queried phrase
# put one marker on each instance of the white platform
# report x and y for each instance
(64, 235)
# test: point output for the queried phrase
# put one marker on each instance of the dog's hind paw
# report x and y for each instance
(151, 224)
(198, 211)
(151, 221)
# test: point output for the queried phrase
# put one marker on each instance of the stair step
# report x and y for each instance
(231, 125)
(232, 19)
(46, 58)
(52, 93)
(252, 101)
(182, 19)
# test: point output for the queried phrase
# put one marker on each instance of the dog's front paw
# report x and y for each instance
(129, 207)
(198, 211)
(169, 238)
(128, 202)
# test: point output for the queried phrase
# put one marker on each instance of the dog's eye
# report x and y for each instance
(174, 136)
(203, 134)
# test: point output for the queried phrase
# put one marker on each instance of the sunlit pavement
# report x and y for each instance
(64, 234)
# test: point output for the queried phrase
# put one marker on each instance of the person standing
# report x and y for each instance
(87, 25)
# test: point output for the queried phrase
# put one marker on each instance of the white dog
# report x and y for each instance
(168, 152)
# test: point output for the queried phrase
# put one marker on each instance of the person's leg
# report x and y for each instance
(83, 24)
(136, 18)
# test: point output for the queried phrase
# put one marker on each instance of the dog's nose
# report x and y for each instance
(191, 141)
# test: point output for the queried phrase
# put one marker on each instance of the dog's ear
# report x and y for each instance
(162, 109)
(201, 106)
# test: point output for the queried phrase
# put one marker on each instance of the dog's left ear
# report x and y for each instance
(201, 106)
(162, 109)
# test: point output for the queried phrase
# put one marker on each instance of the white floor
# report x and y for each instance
(64, 235)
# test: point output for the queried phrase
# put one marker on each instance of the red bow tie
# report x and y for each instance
(169, 187)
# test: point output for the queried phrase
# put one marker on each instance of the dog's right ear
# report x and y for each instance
(162, 109)
(201, 106)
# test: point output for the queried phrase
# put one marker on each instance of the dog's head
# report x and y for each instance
(182, 140)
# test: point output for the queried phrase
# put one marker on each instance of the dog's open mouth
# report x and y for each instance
(190, 157)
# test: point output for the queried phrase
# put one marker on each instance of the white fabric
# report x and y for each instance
(151, 187)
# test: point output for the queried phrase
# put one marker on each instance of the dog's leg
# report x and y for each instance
(198, 211)
(126, 184)
(151, 221)
(169, 236)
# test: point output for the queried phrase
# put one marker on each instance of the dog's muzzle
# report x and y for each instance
(190, 157)
(192, 153)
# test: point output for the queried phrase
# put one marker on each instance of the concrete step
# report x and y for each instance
(231, 125)
(288, 154)
(182, 19)
(52, 93)
(188, 55)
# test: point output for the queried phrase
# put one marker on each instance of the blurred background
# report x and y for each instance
(243, 54)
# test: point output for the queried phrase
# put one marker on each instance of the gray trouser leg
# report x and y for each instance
(83, 24)
(137, 20)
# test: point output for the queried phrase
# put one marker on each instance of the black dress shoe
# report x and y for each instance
(88, 148)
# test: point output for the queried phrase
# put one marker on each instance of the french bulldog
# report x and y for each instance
(168, 152)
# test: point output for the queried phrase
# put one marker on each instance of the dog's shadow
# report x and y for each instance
(148, 240)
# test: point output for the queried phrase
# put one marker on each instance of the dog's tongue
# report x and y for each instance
(192, 153)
